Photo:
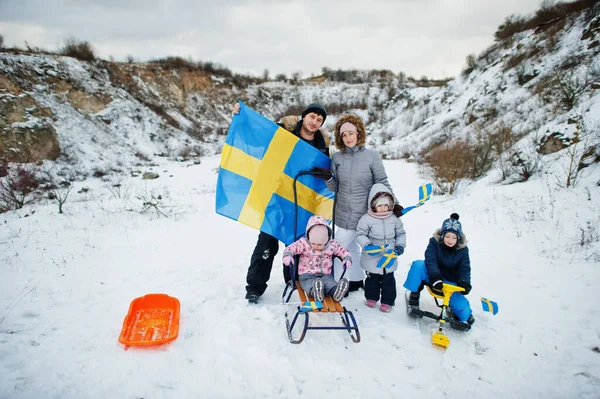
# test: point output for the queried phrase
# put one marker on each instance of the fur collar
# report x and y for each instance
(462, 243)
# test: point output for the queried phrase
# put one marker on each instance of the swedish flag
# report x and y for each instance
(489, 306)
(424, 195)
(388, 259)
(310, 306)
(256, 177)
(373, 250)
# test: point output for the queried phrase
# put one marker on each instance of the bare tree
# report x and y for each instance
(59, 185)
(1, 41)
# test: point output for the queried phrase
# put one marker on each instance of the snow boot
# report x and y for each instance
(413, 299)
(456, 323)
(412, 304)
(371, 303)
(252, 298)
(340, 290)
(318, 290)
(384, 307)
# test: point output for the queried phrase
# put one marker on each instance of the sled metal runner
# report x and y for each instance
(302, 317)
(438, 337)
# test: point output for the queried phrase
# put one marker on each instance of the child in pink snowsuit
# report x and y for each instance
(315, 265)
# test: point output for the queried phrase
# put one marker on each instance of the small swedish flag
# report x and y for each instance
(424, 195)
(388, 259)
(373, 249)
(489, 306)
(310, 306)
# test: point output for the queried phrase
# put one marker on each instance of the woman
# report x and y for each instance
(356, 169)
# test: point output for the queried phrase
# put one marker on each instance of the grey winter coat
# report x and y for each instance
(356, 170)
(389, 230)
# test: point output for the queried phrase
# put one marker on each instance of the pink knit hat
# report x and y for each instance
(348, 126)
(318, 234)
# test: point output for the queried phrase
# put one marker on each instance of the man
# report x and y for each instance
(267, 246)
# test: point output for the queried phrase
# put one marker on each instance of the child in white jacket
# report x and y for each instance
(382, 237)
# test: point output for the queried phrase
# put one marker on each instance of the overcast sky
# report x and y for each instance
(418, 37)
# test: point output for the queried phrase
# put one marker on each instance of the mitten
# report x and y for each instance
(399, 250)
(347, 263)
(398, 210)
(437, 286)
(288, 260)
(321, 172)
(466, 285)
(372, 249)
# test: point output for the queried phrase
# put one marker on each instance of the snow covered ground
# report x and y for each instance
(66, 282)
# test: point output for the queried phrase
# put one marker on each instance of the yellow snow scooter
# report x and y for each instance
(438, 337)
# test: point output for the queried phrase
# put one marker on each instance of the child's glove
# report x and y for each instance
(373, 250)
(398, 210)
(466, 285)
(288, 260)
(437, 286)
(399, 250)
(347, 263)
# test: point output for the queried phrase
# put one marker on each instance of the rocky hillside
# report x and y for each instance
(539, 86)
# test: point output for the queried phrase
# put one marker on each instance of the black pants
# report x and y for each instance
(261, 264)
(381, 284)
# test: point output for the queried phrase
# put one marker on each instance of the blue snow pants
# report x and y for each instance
(418, 274)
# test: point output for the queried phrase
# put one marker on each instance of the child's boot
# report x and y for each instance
(371, 303)
(413, 300)
(318, 290)
(384, 307)
(340, 290)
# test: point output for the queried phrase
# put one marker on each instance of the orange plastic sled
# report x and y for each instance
(152, 319)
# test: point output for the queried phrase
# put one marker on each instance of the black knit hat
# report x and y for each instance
(317, 109)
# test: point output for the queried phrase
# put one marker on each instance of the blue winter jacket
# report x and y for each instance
(452, 264)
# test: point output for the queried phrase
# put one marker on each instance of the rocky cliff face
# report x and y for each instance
(49, 104)
(107, 116)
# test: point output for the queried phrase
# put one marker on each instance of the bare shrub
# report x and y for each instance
(526, 163)
(483, 155)
(158, 202)
(511, 25)
(471, 65)
(188, 152)
(565, 88)
(75, 48)
(583, 146)
(175, 63)
(1, 41)
(117, 188)
(450, 164)
(518, 58)
(519, 164)
(18, 187)
(502, 137)
(59, 185)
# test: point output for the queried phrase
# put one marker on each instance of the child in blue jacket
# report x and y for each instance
(446, 260)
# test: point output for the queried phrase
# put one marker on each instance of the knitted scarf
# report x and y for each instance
(379, 215)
